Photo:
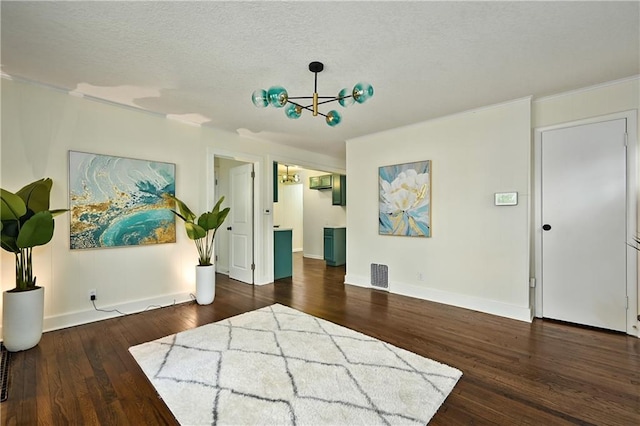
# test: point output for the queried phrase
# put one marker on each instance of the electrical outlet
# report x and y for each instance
(93, 294)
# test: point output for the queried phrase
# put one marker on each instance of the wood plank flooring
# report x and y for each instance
(514, 373)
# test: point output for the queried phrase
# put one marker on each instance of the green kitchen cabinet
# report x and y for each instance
(320, 182)
(282, 253)
(275, 181)
(339, 190)
(335, 246)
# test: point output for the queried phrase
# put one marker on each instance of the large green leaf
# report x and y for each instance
(36, 195)
(36, 231)
(185, 211)
(12, 206)
(8, 243)
(222, 216)
(57, 212)
(195, 232)
(216, 208)
(208, 221)
(213, 220)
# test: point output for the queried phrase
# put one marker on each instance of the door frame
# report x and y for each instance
(633, 325)
(211, 198)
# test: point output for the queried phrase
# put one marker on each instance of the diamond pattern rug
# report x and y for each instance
(279, 366)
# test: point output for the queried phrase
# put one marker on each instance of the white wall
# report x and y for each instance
(478, 255)
(615, 96)
(288, 212)
(319, 212)
(40, 125)
(466, 265)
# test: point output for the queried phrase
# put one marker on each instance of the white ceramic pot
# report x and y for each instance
(22, 314)
(205, 284)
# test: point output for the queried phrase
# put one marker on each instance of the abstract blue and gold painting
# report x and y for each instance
(405, 199)
(116, 201)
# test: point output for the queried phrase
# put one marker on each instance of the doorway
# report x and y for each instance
(585, 214)
(234, 245)
(305, 210)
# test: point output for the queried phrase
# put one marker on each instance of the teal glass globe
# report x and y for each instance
(362, 92)
(277, 96)
(259, 98)
(333, 118)
(345, 98)
(293, 111)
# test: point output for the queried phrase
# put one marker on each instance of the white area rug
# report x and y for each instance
(279, 366)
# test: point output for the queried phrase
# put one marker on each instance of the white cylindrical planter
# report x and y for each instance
(205, 284)
(22, 314)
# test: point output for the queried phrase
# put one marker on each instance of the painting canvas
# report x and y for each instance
(117, 201)
(405, 199)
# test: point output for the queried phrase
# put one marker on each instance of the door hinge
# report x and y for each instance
(626, 302)
(626, 139)
(253, 266)
(216, 257)
(253, 174)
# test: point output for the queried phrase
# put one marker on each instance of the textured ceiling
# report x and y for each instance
(200, 61)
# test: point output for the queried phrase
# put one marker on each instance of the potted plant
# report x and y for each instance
(26, 222)
(203, 233)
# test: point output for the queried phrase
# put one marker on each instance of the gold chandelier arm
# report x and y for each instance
(315, 104)
(319, 97)
(307, 107)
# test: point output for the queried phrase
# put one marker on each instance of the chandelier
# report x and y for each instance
(278, 97)
(288, 179)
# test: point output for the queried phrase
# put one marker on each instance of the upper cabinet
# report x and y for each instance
(275, 181)
(339, 190)
(336, 183)
(320, 182)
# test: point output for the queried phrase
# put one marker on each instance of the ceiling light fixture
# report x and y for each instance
(278, 97)
(288, 179)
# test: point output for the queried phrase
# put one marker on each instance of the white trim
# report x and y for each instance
(313, 256)
(633, 325)
(587, 89)
(520, 313)
(306, 165)
(536, 228)
(91, 315)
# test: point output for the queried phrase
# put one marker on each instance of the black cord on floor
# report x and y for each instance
(93, 302)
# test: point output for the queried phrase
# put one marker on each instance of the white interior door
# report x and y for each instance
(584, 224)
(241, 224)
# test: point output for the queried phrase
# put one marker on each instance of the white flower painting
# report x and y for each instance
(405, 199)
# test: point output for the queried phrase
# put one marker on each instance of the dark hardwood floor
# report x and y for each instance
(514, 373)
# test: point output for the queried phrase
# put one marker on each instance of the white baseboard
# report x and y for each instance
(91, 315)
(521, 313)
(313, 256)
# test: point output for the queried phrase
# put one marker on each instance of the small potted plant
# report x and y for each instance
(203, 233)
(26, 222)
